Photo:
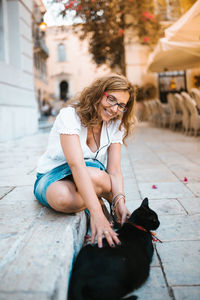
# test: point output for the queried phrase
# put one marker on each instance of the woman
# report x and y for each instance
(86, 136)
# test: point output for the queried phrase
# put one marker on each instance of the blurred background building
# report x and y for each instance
(18, 108)
(42, 67)
(70, 66)
(40, 55)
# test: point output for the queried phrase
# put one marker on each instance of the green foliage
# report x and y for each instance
(184, 5)
(105, 22)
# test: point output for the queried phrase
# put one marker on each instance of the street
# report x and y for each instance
(37, 245)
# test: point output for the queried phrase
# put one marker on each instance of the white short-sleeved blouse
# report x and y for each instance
(68, 122)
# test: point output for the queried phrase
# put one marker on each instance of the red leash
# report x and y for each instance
(153, 234)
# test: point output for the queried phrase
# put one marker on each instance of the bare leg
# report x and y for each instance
(63, 196)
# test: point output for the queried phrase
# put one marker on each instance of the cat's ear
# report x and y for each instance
(145, 202)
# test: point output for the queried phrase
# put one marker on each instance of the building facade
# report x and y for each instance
(70, 66)
(18, 107)
(40, 55)
(137, 57)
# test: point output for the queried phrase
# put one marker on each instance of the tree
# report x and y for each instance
(105, 23)
(184, 5)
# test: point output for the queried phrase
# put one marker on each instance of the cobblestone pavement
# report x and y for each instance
(36, 243)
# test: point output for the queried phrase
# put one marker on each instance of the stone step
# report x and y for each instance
(37, 248)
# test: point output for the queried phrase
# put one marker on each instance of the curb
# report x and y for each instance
(39, 263)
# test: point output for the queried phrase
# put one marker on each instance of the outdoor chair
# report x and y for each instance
(164, 113)
(148, 110)
(195, 94)
(194, 116)
(156, 112)
(175, 114)
(185, 113)
(179, 111)
(152, 111)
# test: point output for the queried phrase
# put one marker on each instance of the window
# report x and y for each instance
(61, 52)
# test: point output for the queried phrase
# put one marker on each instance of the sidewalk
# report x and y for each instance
(37, 245)
(163, 158)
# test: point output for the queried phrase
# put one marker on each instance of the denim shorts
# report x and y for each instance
(44, 180)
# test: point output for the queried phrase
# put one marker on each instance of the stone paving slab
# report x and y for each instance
(17, 180)
(22, 211)
(165, 190)
(4, 190)
(155, 261)
(162, 207)
(159, 173)
(191, 205)
(152, 152)
(127, 171)
(181, 261)
(47, 249)
(37, 245)
(195, 188)
(8, 244)
(189, 170)
(19, 169)
(186, 292)
(24, 295)
(154, 288)
(179, 227)
(20, 193)
(131, 189)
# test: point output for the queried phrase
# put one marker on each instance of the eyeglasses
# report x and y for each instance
(113, 101)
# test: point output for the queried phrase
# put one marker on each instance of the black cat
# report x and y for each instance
(111, 273)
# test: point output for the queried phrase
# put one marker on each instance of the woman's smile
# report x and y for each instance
(108, 112)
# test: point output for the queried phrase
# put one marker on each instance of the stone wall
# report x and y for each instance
(18, 108)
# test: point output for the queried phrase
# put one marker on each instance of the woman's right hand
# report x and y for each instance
(101, 227)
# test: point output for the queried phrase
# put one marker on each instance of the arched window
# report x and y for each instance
(61, 52)
(64, 90)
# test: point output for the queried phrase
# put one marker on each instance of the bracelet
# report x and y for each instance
(120, 194)
(116, 200)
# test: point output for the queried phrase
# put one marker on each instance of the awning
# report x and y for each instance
(187, 28)
(170, 56)
(180, 49)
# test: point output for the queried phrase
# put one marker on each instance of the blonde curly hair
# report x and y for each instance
(87, 102)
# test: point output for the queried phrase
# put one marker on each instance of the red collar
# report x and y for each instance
(138, 227)
(153, 234)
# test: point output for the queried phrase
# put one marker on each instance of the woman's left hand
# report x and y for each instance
(121, 211)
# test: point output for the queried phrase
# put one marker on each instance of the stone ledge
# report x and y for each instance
(36, 259)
